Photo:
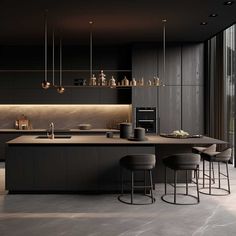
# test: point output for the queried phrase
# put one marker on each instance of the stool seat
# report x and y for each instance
(183, 161)
(198, 150)
(138, 162)
(217, 156)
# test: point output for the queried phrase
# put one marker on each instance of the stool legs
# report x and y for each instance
(132, 186)
(132, 181)
(198, 197)
(186, 186)
(212, 181)
(209, 177)
(165, 178)
(186, 173)
(150, 176)
(175, 180)
(227, 172)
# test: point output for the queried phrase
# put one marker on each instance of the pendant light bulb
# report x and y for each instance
(60, 89)
(45, 84)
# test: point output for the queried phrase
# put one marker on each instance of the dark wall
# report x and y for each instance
(22, 71)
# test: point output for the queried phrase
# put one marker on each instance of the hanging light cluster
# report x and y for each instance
(46, 84)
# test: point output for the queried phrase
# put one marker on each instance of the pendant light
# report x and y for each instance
(53, 58)
(45, 84)
(91, 49)
(164, 51)
(60, 89)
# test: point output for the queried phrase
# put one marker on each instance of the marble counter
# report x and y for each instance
(101, 139)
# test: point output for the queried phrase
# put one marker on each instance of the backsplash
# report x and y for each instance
(65, 116)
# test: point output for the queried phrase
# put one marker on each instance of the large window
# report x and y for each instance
(229, 82)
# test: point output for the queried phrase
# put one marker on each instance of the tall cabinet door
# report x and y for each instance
(173, 65)
(193, 88)
(144, 62)
(192, 109)
(144, 65)
(170, 108)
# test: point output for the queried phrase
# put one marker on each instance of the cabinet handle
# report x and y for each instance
(146, 110)
(146, 120)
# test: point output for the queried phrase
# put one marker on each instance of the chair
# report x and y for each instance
(219, 157)
(199, 150)
(133, 163)
(181, 162)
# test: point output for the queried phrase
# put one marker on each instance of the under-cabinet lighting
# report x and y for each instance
(65, 105)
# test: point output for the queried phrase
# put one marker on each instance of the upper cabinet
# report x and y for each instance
(144, 62)
(192, 64)
(173, 64)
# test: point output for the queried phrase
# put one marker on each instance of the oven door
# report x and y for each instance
(148, 125)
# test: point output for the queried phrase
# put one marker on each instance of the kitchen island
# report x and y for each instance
(82, 162)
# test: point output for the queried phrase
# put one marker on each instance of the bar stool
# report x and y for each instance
(133, 163)
(186, 162)
(219, 157)
(199, 150)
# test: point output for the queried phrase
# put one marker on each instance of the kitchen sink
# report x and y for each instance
(55, 137)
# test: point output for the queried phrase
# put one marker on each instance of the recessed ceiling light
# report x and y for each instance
(228, 3)
(203, 23)
(213, 15)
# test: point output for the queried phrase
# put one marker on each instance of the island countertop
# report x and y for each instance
(102, 140)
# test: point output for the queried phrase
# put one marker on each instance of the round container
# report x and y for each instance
(109, 134)
(139, 133)
(85, 126)
(125, 130)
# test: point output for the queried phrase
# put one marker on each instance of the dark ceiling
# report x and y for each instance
(122, 21)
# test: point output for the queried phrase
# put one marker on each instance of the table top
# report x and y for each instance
(103, 140)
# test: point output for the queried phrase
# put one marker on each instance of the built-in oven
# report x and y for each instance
(146, 117)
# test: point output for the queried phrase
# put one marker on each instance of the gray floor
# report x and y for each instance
(104, 215)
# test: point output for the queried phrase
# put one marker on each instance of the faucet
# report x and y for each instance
(50, 134)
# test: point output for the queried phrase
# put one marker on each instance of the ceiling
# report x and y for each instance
(122, 21)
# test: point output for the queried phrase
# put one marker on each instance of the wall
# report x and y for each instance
(65, 116)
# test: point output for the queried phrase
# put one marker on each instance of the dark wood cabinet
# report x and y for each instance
(192, 64)
(170, 108)
(193, 109)
(173, 65)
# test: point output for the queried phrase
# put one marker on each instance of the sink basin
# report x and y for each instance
(55, 137)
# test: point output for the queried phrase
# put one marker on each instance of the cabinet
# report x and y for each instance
(170, 108)
(193, 109)
(173, 64)
(192, 64)
(67, 167)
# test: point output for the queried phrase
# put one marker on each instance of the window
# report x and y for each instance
(229, 82)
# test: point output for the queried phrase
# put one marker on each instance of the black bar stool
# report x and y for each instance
(133, 163)
(177, 162)
(199, 150)
(219, 157)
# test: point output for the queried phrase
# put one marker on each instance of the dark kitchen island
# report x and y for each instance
(82, 163)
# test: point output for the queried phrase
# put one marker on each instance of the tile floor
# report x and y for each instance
(67, 214)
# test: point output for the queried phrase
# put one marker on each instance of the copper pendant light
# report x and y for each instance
(164, 51)
(45, 84)
(60, 89)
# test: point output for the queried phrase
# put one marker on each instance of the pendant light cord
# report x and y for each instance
(53, 59)
(164, 50)
(45, 45)
(91, 49)
(60, 64)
